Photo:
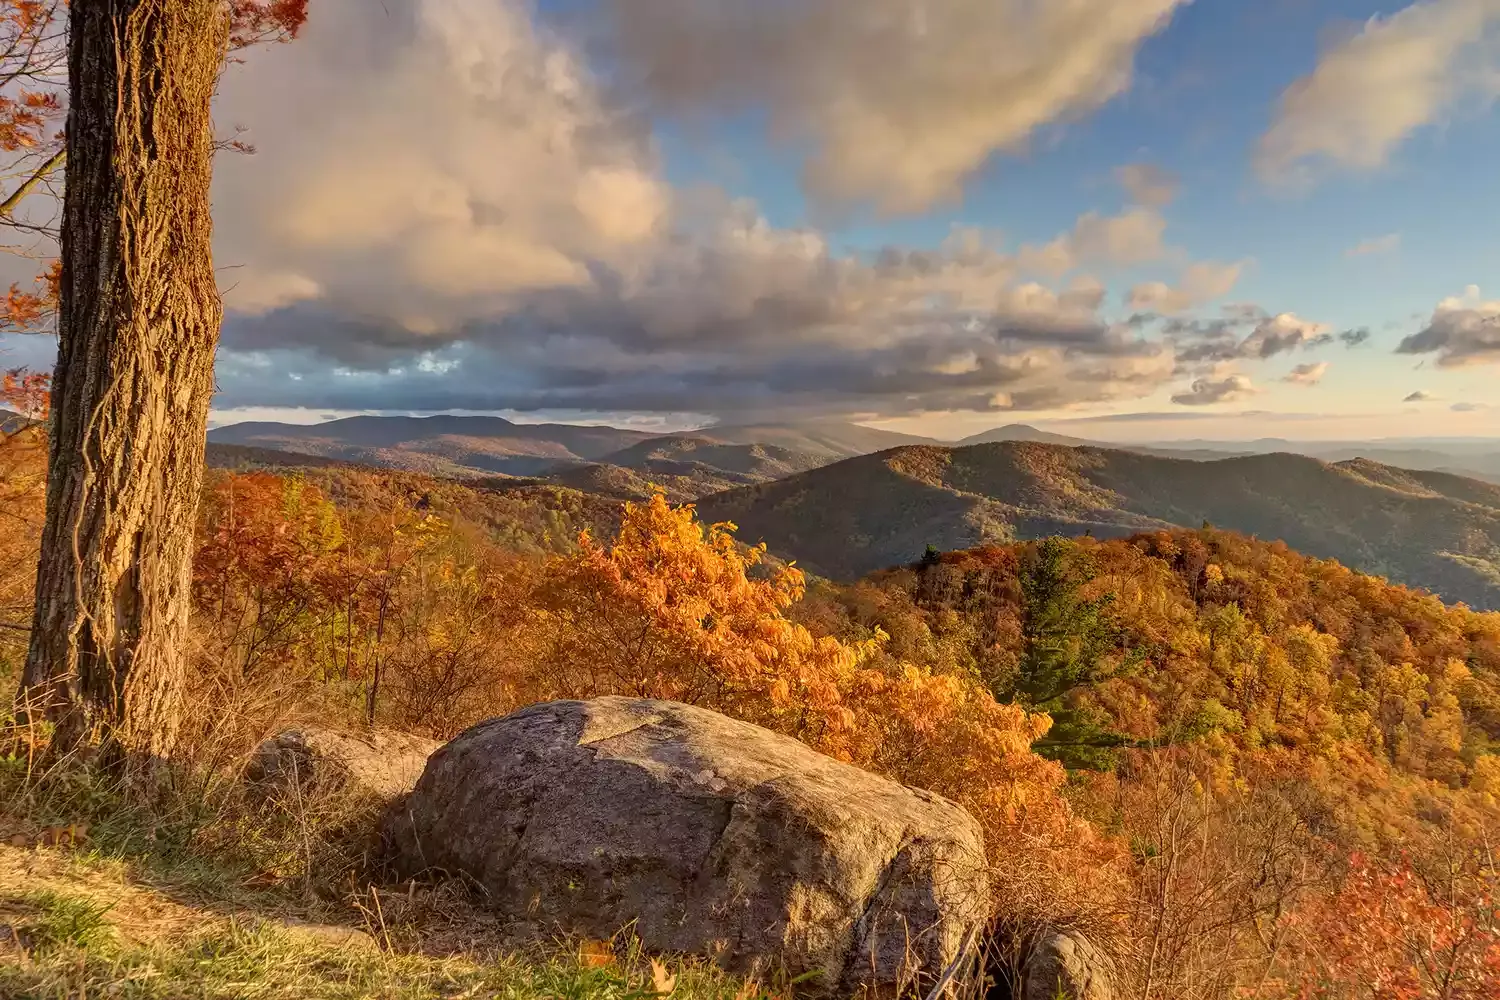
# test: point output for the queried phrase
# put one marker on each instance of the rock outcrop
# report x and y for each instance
(1067, 964)
(381, 765)
(707, 836)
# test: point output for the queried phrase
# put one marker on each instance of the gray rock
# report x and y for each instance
(376, 764)
(713, 836)
(1067, 964)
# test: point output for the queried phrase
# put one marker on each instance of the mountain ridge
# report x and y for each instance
(1431, 530)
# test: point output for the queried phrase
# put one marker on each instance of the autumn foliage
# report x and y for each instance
(1389, 933)
(1302, 806)
(33, 80)
(675, 609)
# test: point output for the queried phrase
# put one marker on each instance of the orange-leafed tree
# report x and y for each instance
(672, 611)
(268, 556)
(138, 324)
(679, 610)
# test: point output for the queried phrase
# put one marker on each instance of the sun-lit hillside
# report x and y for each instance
(1425, 529)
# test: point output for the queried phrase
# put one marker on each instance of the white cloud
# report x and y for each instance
(1284, 332)
(1389, 243)
(1463, 330)
(1222, 388)
(1200, 283)
(447, 142)
(459, 216)
(1308, 374)
(1369, 92)
(900, 101)
(1132, 237)
(1420, 396)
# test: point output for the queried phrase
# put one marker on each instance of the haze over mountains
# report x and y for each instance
(845, 500)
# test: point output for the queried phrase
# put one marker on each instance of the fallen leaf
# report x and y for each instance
(663, 980)
(595, 954)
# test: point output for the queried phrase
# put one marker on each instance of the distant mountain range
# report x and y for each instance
(829, 438)
(844, 499)
(597, 459)
(441, 445)
(1424, 528)
(1025, 432)
(487, 446)
(1479, 458)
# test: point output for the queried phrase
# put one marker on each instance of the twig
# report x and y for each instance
(52, 163)
(958, 960)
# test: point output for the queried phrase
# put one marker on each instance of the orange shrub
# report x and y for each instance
(1391, 934)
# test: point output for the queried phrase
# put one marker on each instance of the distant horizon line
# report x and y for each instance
(1044, 426)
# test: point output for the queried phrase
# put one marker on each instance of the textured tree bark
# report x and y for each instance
(138, 325)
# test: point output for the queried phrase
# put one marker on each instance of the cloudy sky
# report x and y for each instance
(1122, 218)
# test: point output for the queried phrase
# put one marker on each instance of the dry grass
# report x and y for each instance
(133, 911)
(71, 927)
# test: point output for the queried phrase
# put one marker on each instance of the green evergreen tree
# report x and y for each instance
(1068, 643)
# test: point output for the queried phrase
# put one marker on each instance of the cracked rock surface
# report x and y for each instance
(716, 837)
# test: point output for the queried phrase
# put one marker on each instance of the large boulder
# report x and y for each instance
(309, 759)
(1067, 964)
(706, 836)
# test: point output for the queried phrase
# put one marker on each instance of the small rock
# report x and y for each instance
(1066, 963)
(384, 765)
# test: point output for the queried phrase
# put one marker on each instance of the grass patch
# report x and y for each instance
(203, 893)
(256, 958)
(74, 925)
(61, 921)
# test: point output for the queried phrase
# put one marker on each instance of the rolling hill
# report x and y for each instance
(1478, 458)
(1422, 528)
(1025, 432)
(245, 458)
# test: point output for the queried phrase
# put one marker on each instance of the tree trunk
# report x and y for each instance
(138, 324)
